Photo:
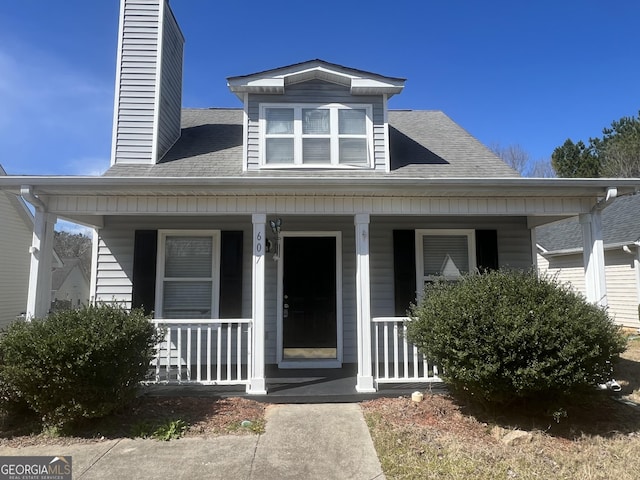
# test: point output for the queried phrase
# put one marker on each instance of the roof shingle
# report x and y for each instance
(423, 144)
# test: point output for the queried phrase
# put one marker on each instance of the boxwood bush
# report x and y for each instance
(504, 335)
(75, 364)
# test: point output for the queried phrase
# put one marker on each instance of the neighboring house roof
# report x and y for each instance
(620, 225)
(423, 144)
(60, 274)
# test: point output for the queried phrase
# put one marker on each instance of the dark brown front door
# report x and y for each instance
(309, 298)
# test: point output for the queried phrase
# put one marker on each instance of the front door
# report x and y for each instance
(309, 299)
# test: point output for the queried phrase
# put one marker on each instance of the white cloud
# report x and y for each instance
(88, 166)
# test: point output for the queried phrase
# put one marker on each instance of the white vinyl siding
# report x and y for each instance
(622, 289)
(148, 83)
(187, 274)
(316, 135)
(513, 238)
(116, 244)
(170, 102)
(15, 238)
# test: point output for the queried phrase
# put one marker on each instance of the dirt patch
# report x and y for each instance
(204, 416)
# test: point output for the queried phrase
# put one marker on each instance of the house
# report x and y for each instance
(69, 284)
(15, 238)
(295, 231)
(560, 253)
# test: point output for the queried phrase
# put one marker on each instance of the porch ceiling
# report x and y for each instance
(320, 186)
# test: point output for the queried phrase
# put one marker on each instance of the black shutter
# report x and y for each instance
(404, 270)
(231, 275)
(144, 270)
(487, 250)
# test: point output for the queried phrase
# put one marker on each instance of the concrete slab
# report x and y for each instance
(316, 441)
(83, 454)
(313, 441)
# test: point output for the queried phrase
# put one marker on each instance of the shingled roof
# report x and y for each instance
(423, 144)
(620, 225)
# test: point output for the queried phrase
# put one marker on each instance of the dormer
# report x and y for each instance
(315, 115)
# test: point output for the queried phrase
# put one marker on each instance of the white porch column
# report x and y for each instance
(257, 382)
(593, 256)
(39, 295)
(363, 305)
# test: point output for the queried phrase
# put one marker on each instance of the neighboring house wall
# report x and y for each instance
(315, 91)
(116, 258)
(622, 294)
(74, 287)
(15, 239)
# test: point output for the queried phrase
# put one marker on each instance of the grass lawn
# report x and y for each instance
(441, 438)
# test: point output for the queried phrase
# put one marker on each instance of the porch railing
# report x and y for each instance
(397, 360)
(207, 352)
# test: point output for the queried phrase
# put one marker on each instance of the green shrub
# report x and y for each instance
(76, 364)
(505, 335)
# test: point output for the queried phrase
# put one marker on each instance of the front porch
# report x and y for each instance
(385, 243)
(297, 386)
(217, 353)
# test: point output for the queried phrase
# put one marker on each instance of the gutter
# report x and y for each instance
(26, 192)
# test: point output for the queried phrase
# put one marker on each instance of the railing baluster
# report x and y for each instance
(208, 353)
(239, 351)
(405, 352)
(179, 352)
(377, 343)
(386, 350)
(412, 359)
(158, 349)
(199, 354)
(179, 333)
(395, 350)
(219, 354)
(229, 330)
(188, 353)
(168, 365)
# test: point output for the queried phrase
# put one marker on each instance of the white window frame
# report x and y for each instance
(421, 278)
(215, 267)
(334, 135)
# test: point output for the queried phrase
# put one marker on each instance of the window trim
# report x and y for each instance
(215, 267)
(335, 136)
(471, 252)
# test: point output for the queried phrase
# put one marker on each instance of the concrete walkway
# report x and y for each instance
(317, 441)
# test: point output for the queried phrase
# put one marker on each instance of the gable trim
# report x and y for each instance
(275, 81)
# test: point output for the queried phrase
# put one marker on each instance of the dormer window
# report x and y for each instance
(308, 135)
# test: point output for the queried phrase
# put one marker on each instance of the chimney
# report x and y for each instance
(148, 93)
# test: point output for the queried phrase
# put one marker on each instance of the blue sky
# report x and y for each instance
(510, 72)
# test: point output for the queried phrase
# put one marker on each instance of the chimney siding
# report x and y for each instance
(148, 97)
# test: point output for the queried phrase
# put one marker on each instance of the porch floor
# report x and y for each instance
(300, 386)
